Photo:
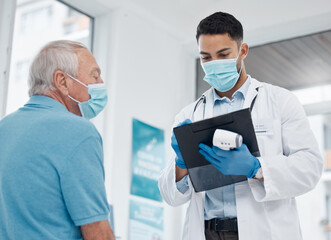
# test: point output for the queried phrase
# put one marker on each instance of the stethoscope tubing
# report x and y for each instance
(203, 99)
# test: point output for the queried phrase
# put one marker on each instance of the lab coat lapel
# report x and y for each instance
(198, 114)
(251, 93)
(209, 103)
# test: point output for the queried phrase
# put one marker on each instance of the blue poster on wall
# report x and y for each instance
(146, 221)
(148, 159)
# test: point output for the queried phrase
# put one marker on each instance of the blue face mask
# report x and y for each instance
(96, 103)
(222, 74)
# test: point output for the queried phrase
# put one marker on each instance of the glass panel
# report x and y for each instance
(327, 140)
(37, 23)
(321, 126)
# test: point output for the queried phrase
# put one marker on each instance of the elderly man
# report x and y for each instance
(51, 158)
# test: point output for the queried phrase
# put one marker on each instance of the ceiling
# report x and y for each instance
(263, 21)
(293, 64)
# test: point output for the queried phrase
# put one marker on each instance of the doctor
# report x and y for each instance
(264, 206)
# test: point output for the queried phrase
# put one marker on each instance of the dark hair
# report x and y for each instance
(220, 23)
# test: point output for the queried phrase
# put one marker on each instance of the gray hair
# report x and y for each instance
(56, 55)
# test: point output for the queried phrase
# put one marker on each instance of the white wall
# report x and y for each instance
(150, 76)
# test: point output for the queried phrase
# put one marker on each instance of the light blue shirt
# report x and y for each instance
(221, 202)
(51, 173)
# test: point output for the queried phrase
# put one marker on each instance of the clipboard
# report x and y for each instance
(204, 176)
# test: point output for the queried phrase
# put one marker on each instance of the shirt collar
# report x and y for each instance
(242, 90)
(40, 101)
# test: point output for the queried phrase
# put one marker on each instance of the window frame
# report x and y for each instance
(86, 12)
(7, 14)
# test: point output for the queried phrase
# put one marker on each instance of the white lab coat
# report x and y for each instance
(290, 161)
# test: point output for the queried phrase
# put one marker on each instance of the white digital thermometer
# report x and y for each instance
(227, 140)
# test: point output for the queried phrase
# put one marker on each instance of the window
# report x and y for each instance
(22, 67)
(321, 127)
(36, 20)
(37, 23)
(314, 94)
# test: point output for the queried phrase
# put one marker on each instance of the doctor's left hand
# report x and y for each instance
(174, 144)
(238, 161)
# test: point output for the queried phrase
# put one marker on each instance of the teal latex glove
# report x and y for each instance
(174, 144)
(238, 161)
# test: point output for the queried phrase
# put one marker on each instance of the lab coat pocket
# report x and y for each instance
(268, 133)
(264, 127)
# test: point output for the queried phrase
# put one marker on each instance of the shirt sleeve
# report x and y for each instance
(82, 183)
(182, 185)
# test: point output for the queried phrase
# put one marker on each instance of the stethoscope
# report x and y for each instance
(203, 100)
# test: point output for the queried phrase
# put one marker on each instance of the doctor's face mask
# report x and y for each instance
(222, 74)
(97, 102)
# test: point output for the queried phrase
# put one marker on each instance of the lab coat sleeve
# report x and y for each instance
(298, 169)
(167, 179)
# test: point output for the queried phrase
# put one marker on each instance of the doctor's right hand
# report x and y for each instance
(174, 144)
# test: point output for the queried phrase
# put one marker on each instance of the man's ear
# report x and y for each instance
(244, 51)
(60, 82)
